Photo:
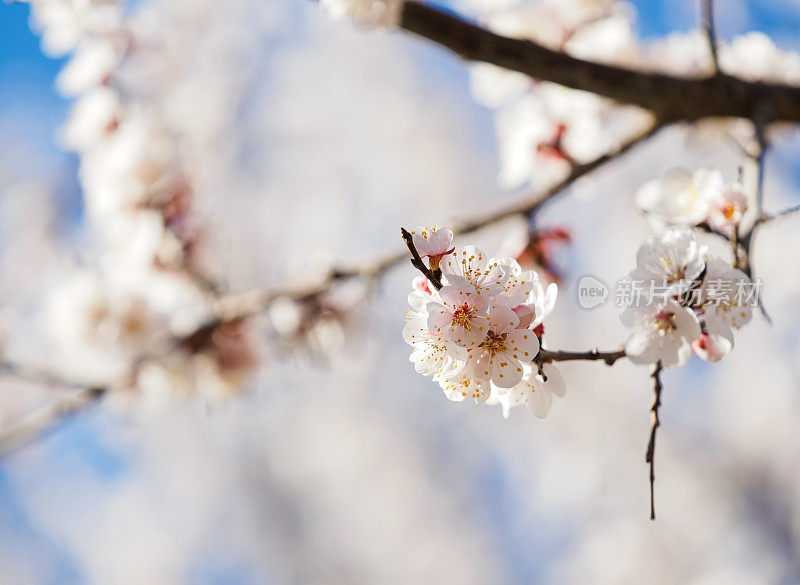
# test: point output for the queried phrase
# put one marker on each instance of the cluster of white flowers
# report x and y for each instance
(150, 286)
(543, 128)
(702, 301)
(480, 334)
(682, 198)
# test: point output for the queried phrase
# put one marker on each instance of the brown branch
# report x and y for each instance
(650, 456)
(416, 261)
(668, 97)
(609, 357)
(747, 239)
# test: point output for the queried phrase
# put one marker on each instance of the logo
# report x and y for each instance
(592, 292)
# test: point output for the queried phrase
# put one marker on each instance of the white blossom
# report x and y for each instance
(433, 354)
(674, 260)
(662, 331)
(535, 391)
(539, 383)
(433, 243)
(461, 316)
(680, 197)
(726, 209)
(91, 65)
(499, 356)
(755, 57)
(369, 13)
(728, 296)
(471, 270)
(92, 119)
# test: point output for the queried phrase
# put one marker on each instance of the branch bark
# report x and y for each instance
(668, 97)
(650, 456)
(416, 261)
(609, 357)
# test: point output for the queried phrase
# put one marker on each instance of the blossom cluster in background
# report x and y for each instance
(683, 198)
(129, 313)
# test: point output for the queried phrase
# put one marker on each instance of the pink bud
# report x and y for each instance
(706, 349)
(525, 314)
(421, 284)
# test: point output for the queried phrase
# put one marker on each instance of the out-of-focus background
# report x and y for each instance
(317, 140)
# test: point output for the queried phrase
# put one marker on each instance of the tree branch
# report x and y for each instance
(707, 7)
(39, 375)
(650, 456)
(48, 418)
(669, 98)
(748, 238)
(244, 305)
(609, 357)
(779, 214)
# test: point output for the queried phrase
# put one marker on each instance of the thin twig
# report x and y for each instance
(48, 418)
(39, 375)
(609, 357)
(247, 304)
(748, 238)
(416, 260)
(779, 214)
(707, 7)
(650, 456)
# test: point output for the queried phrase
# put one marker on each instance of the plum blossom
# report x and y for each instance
(675, 261)
(540, 382)
(728, 295)
(65, 23)
(703, 300)
(462, 385)
(433, 354)
(367, 13)
(535, 391)
(433, 243)
(543, 133)
(518, 284)
(680, 197)
(475, 336)
(93, 62)
(726, 209)
(470, 269)
(500, 355)
(707, 349)
(461, 316)
(755, 57)
(662, 331)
